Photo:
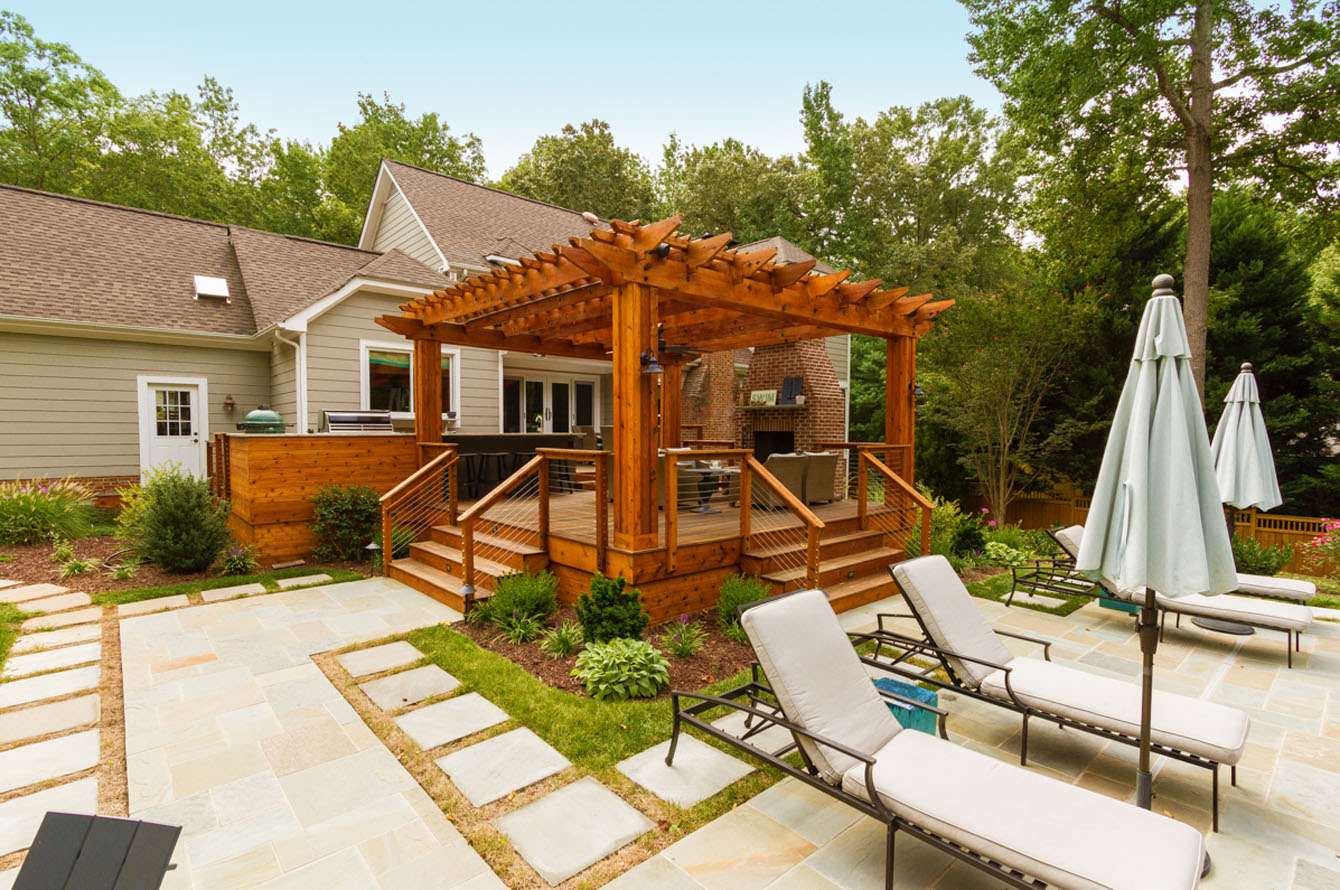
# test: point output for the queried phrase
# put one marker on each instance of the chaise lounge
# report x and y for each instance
(969, 805)
(969, 650)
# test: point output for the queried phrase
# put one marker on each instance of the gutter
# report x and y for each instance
(300, 375)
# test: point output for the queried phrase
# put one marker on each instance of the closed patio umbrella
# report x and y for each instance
(1243, 461)
(1156, 521)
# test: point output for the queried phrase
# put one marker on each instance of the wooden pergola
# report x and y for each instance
(632, 294)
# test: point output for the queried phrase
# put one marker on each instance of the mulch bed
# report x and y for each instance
(32, 564)
(717, 659)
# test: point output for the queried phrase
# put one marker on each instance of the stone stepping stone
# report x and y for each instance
(58, 603)
(20, 817)
(52, 659)
(21, 692)
(494, 768)
(772, 739)
(45, 719)
(63, 619)
(1038, 599)
(80, 633)
(31, 592)
(43, 761)
(362, 662)
(409, 687)
(572, 828)
(699, 772)
(4, 583)
(144, 607)
(450, 720)
(286, 583)
(227, 593)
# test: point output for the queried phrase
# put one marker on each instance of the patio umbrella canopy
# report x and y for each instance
(1156, 521)
(1243, 461)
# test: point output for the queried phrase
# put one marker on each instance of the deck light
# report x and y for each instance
(649, 363)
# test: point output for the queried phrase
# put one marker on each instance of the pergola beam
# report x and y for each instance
(459, 335)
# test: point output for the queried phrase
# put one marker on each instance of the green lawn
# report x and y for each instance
(269, 579)
(10, 616)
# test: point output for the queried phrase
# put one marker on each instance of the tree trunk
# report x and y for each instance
(1199, 193)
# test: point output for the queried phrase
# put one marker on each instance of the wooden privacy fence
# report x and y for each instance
(1046, 509)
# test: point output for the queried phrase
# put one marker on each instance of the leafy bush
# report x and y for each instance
(125, 571)
(1255, 558)
(35, 511)
(532, 596)
(61, 551)
(75, 566)
(1012, 536)
(1004, 555)
(621, 668)
(968, 539)
(735, 591)
(345, 519)
(239, 560)
(1038, 541)
(179, 524)
(684, 639)
(608, 612)
(517, 628)
(561, 640)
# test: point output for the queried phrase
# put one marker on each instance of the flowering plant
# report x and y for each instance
(1323, 552)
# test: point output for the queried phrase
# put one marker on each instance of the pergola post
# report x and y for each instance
(636, 433)
(900, 370)
(427, 393)
(671, 382)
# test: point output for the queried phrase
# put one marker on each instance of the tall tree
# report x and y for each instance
(732, 187)
(829, 158)
(1211, 88)
(583, 168)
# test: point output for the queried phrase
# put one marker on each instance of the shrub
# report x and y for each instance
(345, 519)
(735, 591)
(532, 596)
(1003, 555)
(35, 511)
(1255, 558)
(238, 560)
(561, 640)
(76, 566)
(125, 571)
(968, 538)
(1322, 553)
(684, 639)
(61, 551)
(1038, 541)
(401, 537)
(183, 528)
(608, 612)
(620, 669)
(1011, 536)
(517, 628)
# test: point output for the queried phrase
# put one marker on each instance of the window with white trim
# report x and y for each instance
(388, 379)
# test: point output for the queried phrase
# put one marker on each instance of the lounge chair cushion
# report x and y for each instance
(1069, 539)
(1248, 610)
(817, 678)
(993, 808)
(1204, 728)
(950, 616)
(1283, 588)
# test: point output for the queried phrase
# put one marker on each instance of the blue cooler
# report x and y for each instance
(906, 715)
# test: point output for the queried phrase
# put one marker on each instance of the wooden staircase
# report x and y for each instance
(435, 566)
(852, 564)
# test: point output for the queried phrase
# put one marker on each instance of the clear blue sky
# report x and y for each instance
(510, 72)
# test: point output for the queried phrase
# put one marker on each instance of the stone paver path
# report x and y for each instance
(58, 603)
(80, 633)
(144, 607)
(286, 583)
(492, 769)
(51, 759)
(52, 659)
(375, 660)
(233, 733)
(410, 687)
(20, 816)
(61, 619)
(46, 719)
(27, 592)
(699, 771)
(33, 689)
(450, 720)
(227, 593)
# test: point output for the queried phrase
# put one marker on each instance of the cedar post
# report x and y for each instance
(427, 395)
(900, 369)
(636, 432)
(671, 382)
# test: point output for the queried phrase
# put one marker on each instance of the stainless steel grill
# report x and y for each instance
(356, 422)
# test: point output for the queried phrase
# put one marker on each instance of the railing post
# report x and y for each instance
(861, 470)
(746, 501)
(671, 511)
(602, 511)
(812, 556)
(468, 559)
(387, 547)
(542, 473)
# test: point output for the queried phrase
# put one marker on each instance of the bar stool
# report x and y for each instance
(496, 464)
(472, 471)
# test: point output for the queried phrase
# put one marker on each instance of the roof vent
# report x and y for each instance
(208, 286)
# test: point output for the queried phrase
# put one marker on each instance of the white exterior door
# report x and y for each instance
(173, 423)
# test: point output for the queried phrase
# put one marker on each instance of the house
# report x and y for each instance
(128, 337)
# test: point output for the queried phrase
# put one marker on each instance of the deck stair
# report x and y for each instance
(435, 566)
(851, 565)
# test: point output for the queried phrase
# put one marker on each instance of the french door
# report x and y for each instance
(549, 403)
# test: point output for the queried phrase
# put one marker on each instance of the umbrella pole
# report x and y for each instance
(1149, 641)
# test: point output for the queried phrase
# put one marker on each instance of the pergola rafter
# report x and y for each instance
(619, 293)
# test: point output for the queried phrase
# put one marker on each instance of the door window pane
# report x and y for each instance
(388, 380)
(534, 406)
(446, 384)
(584, 400)
(172, 412)
(511, 405)
(560, 413)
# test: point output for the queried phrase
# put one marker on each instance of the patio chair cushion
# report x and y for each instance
(1294, 589)
(950, 616)
(1085, 841)
(1246, 609)
(1209, 730)
(818, 679)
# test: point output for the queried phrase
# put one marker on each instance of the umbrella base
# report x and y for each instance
(1218, 625)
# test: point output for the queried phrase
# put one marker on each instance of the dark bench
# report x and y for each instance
(75, 852)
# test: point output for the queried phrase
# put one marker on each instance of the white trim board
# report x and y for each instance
(377, 207)
(144, 408)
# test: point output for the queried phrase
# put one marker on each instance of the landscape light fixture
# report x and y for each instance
(374, 551)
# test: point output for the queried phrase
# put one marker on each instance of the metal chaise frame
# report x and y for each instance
(763, 707)
(910, 646)
(1054, 574)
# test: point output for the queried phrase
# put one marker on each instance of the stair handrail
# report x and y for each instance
(392, 499)
(813, 524)
(466, 522)
(869, 461)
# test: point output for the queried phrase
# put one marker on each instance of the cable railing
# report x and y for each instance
(895, 457)
(697, 483)
(517, 516)
(886, 502)
(424, 499)
(778, 522)
(579, 495)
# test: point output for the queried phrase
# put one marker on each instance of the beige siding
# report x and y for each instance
(837, 353)
(69, 407)
(283, 382)
(399, 228)
(334, 356)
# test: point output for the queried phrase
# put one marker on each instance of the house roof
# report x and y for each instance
(71, 259)
(787, 252)
(470, 222)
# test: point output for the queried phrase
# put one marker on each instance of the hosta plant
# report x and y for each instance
(622, 668)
